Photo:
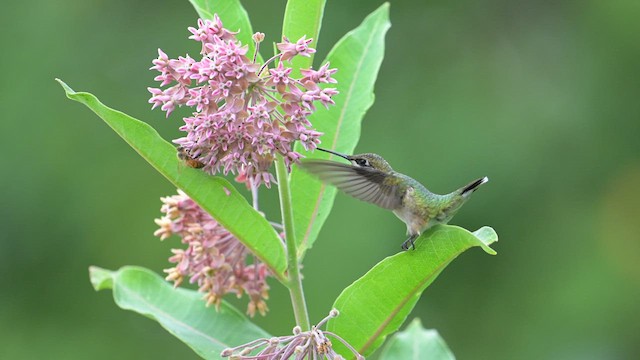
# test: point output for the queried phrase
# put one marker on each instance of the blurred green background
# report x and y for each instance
(541, 96)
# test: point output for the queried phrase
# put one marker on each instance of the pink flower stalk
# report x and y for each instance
(312, 344)
(214, 258)
(245, 113)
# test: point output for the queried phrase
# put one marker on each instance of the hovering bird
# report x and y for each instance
(370, 178)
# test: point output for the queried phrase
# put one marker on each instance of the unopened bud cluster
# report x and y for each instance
(312, 344)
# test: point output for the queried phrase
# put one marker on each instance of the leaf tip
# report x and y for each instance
(487, 236)
(385, 9)
(101, 279)
(489, 250)
(415, 323)
(66, 87)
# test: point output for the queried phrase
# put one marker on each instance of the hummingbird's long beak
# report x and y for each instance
(335, 153)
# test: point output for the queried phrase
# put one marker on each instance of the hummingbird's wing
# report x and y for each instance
(364, 183)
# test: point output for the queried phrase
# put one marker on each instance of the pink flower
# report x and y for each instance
(245, 114)
(289, 49)
(168, 98)
(208, 31)
(323, 75)
(280, 78)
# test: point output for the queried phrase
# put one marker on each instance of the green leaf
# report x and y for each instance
(302, 17)
(214, 194)
(233, 16)
(357, 56)
(181, 312)
(378, 303)
(415, 342)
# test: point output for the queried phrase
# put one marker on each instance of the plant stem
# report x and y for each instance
(254, 194)
(293, 267)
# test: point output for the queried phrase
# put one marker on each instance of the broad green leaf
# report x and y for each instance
(181, 312)
(378, 303)
(233, 16)
(357, 56)
(416, 342)
(302, 18)
(214, 194)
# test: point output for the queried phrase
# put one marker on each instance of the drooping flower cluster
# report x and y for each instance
(214, 258)
(245, 113)
(312, 344)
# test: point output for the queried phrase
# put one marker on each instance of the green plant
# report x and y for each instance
(396, 283)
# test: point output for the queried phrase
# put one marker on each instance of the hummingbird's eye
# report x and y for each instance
(362, 162)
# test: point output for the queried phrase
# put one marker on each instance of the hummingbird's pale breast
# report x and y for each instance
(411, 214)
(418, 207)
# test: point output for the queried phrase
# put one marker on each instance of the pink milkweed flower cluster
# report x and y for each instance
(312, 344)
(245, 113)
(214, 258)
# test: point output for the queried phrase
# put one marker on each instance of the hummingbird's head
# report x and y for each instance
(369, 160)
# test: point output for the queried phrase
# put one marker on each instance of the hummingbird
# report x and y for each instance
(370, 178)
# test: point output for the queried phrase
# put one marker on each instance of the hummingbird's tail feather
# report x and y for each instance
(456, 199)
(469, 189)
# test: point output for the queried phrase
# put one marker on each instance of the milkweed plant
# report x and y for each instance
(253, 118)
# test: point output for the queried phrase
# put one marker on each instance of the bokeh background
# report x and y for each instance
(541, 96)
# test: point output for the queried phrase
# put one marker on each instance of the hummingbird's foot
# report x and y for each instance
(409, 241)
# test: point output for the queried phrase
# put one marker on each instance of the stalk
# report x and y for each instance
(294, 283)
